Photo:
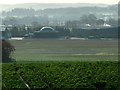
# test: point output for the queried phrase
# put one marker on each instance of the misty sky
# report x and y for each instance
(58, 1)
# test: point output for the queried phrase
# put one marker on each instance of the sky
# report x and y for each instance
(58, 1)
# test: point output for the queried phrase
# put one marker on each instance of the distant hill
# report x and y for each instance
(48, 5)
(56, 12)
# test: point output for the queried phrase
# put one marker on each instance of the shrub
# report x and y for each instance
(7, 49)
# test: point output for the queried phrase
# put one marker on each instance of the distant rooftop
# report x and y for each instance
(47, 29)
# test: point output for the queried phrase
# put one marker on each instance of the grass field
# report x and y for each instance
(70, 50)
(44, 63)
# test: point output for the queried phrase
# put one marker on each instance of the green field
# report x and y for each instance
(65, 50)
(62, 75)
(56, 63)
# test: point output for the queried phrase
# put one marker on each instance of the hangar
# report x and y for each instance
(46, 32)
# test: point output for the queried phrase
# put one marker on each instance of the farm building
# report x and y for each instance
(4, 32)
(46, 32)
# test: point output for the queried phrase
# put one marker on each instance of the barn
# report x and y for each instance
(46, 32)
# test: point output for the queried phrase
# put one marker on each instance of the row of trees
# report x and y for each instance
(85, 19)
(24, 31)
(91, 20)
(29, 20)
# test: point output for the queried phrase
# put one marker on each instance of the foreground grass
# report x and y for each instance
(98, 74)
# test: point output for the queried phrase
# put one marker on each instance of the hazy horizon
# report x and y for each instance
(12, 2)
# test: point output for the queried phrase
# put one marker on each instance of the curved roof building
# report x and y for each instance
(46, 32)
